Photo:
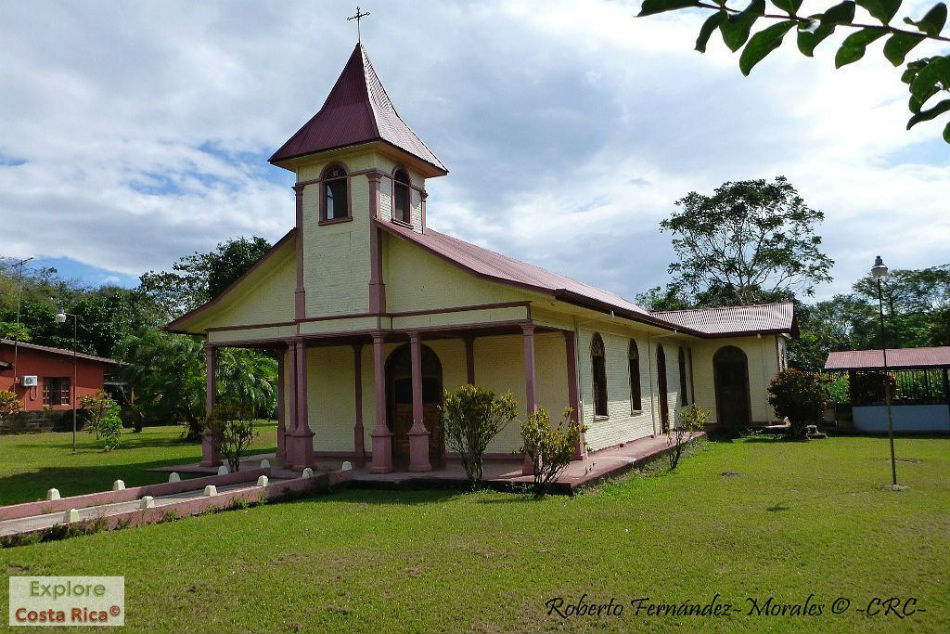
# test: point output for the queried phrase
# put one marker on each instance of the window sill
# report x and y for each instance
(396, 221)
(599, 417)
(636, 412)
(335, 221)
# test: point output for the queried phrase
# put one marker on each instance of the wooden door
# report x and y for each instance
(399, 404)
(661, 384)
(731, 369)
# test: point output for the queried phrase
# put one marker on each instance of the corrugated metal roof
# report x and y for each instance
(60, 351)
(896, 358)
(357, 110)
(729, 320)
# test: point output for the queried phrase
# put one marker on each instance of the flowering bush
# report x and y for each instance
(800, 396)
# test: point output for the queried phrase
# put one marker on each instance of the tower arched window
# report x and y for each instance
(633, 359)
(336, 199)
(598, 360)
(684, 395)
(401, 196)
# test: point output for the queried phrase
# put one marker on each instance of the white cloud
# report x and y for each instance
(570, 129)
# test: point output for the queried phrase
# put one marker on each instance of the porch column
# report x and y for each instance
(382, 461)
(300, 441)
(418, 434)
(209, 449)
(300, 300)
(470, 359)
(573, 401)
(358, 443)
(281, 413)
(530, 393)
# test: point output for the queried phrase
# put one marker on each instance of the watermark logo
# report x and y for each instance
(59, 601)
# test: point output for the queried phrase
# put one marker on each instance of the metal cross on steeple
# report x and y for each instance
(359, 16)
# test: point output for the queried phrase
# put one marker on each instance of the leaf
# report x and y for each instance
(710, 25)
(789, 6)
(763, 43)
(933, 76)
(946, 132)
(735, 29)
(853, 47)
(933, 21)
(927, 115)
(652, 7)
(899, 45)
(882, 10)
(839, 14)
(807, 41)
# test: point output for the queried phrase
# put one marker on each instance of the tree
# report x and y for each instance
(690, 421)
(198, 278)
(232, 431)
(925, 78)
(471, 417)
(751, 241)
(102, 419)
(550, 448)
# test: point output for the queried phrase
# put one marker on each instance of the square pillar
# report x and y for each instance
(382, 461)
(530, 391)
(418, 434)
(209, 448)
(358, 442)
(300, 299)
(281, 410)
(573, 401)
(300, 440)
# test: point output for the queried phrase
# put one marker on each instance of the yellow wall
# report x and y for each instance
(763, 365)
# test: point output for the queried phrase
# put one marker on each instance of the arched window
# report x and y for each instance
(335, 195)
(401, 196)
(633, 358)
(684, 395)
(598, 360)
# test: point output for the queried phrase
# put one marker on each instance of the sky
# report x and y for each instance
(132, 134)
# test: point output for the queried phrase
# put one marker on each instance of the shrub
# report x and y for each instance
(800, 397)
(9, 404)
(102, 419)
(836, 388)
(550, 448)
(232, 431)
(689, 422)
(867, 387)
(471, 417)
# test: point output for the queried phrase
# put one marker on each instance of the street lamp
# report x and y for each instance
(61, 318)
(879, 274)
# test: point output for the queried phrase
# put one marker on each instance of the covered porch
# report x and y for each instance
(371, 397)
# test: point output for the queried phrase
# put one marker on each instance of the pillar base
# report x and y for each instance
(281, 444)
(209, 452)
(382, 461)
(419, 450)
(299, 448)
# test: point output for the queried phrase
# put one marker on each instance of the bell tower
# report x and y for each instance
(357, 164)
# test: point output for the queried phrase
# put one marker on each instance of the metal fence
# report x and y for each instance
(926, 386)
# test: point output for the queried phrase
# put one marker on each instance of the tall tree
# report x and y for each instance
(750, 241)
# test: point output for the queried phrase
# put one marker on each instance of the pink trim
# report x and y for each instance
(335, 221)
(292, 420)
(422, 197)
(377, 288)
(470, 359)
(418, 434)
(573, 400)
(358, 439)
(300, 445)
(300, 299)
(382, 438)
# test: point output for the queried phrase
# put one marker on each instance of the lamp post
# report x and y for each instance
(879, 273)
(61, 318)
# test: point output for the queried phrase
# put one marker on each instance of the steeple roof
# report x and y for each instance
(357, 110)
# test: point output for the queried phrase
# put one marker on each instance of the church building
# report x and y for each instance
(373, 313)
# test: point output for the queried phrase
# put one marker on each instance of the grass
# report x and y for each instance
(790, 520)
(31, 464)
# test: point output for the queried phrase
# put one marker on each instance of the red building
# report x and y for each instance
(43, 376)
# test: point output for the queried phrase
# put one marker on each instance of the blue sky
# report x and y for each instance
(135, 133)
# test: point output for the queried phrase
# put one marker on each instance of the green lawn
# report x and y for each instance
(795, 519)
(31, 464)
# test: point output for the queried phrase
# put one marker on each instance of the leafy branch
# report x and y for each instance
(925, 77)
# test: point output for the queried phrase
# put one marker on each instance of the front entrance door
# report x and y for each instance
(399, 403)
(731, 369)
(661, 384)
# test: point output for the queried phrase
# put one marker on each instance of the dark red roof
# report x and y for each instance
(59, 351)
(730, 320)
(905, 358)
(358, 110)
